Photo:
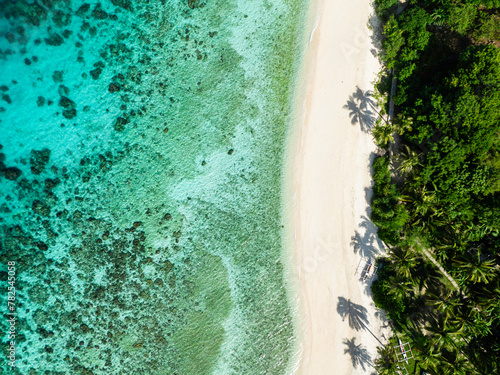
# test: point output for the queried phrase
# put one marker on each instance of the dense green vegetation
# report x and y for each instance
(437, 186)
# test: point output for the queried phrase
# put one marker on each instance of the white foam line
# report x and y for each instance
(316, 23)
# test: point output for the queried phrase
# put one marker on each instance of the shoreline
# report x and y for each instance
(327, 188)
(292, 143)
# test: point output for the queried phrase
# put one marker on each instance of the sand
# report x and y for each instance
(329, 189)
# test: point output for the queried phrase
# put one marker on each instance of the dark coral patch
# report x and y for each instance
(120, 124)
(7, 98)
(194, 4)
(114, 87)
(61, 19)
(40, 208)
(95, 73)
(98, 13)
(51, 183)
(39, 159)
(83, 9)
(69, 113)
(54, 40)
(40, 101)
(42, 246)
(66, 102)
(11, 173)
(57, 76)
(125, 4)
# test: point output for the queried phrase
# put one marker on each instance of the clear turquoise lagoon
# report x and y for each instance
(140, 184)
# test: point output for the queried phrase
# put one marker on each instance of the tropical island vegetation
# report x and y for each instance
(437, 185)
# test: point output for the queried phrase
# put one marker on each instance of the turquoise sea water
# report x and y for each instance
(140, 176)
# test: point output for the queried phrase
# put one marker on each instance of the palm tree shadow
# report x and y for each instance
(361, 109)
(367, 244)
(356, 314)
(364, 98)
(362, 245)
(359, 354)
(376, 36)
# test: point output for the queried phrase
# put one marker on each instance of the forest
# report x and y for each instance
(436, 198)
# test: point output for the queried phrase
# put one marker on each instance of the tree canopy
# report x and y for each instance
(437, 183)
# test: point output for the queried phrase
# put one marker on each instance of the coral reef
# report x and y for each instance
(39, 159)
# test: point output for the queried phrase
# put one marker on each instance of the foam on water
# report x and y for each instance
(140, 184)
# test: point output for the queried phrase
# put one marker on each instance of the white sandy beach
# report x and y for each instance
(329, 186)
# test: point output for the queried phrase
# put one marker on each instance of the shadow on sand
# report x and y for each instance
(361, 109)
(356, 314)
(376, 36)
(367, 244)
(359, 354)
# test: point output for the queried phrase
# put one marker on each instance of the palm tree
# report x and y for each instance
(417, 313)
(489, 299)
(403, 123)
(447, 305)
(383, 134)
(426, 274)
(409, 160)
(430, 359)
(443, 334)
(472, 322)
(423, 201)
(438, 17)
(473, 319)
(403, 261)
(446, 251)
(474, 269)
(456, 364)
(399, 287)
(384, 364)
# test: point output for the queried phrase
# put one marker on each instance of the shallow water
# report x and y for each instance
(142, 145)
